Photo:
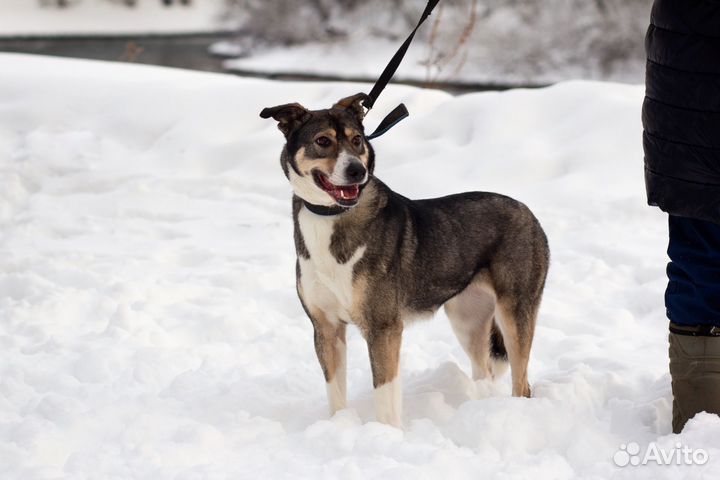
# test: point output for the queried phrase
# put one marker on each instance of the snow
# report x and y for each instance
(504, 42)
(368, 59)
(365, 58)
(149, 326)
(108, 17)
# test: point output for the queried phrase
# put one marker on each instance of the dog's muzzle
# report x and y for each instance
(345, 192)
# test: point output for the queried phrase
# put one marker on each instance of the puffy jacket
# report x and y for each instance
(681, 111)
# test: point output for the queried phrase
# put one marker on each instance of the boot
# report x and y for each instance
(695, 372)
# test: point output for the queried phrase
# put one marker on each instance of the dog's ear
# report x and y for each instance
(289, 116)
(353, 105)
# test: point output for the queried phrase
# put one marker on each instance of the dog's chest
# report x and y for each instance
(326, 284)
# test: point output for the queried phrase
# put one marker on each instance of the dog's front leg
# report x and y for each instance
(384, 348)
(331, 352)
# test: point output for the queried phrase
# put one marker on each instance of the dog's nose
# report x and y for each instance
(355, 171)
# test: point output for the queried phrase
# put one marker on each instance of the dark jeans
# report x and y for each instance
(693, 292)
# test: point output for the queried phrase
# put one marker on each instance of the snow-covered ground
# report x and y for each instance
(149, 327)
(108, 17)
(365, 58)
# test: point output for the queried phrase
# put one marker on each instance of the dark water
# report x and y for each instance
(181, 51)
(184, 51)
(455, 88)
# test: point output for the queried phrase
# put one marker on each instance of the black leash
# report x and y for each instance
(400, 112)
(391, 119)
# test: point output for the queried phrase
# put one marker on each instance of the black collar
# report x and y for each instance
(325, 211)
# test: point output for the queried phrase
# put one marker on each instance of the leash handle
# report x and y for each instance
(391, 67)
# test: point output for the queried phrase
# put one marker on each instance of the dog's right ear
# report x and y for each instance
(289, 116)
(353, 105)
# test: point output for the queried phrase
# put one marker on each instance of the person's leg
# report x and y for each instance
(693, 293)
(692, 300)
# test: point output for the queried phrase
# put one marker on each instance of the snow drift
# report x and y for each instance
(149, 327)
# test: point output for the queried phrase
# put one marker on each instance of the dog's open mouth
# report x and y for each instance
(346, 195)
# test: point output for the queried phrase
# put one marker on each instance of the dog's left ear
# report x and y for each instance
(289, 116)
(353, 105)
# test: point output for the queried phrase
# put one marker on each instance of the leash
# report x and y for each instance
(400, 112)
(391, 119)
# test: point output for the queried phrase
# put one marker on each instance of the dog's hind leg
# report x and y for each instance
(471, 315)
(331, 352)
(517, 324)
(518, 272)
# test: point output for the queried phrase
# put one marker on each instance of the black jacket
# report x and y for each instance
(681, 111)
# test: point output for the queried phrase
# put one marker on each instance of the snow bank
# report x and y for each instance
(149, 327)
(365, 58)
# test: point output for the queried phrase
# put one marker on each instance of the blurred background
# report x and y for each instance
(465, 45)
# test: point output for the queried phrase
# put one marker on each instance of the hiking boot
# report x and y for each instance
(695, 372)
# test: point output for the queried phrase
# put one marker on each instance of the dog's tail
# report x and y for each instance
(498, 353)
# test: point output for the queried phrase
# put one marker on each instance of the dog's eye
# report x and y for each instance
(323, 141)
(356, 140)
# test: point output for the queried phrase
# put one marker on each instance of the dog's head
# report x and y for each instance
(326, 155)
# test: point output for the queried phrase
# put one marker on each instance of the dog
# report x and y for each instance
(369, 257)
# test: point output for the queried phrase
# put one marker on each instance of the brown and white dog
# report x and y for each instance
(370, 257)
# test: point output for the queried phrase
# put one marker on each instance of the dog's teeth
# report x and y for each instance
(346, 193)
